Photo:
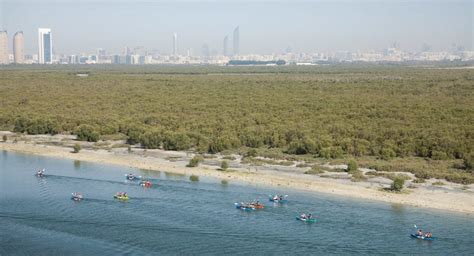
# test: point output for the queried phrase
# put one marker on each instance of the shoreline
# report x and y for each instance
(454, 201)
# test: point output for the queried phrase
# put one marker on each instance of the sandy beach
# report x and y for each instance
(450, 197)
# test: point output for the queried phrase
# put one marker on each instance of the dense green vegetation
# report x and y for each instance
(382, 112)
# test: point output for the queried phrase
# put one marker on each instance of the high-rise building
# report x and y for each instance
(4, 48)
(225, 51)
(236, 40)
(175, 44)
(18, 48)
(45, 45)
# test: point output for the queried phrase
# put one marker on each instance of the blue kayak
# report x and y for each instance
(423, 237)
(244, 207)
(306, 219)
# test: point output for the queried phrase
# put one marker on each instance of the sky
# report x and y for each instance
(82, 26)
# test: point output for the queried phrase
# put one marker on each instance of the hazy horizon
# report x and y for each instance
(265, 26)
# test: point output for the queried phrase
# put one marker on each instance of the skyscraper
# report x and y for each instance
(236, 40)
(19, 47)
(226, 46)
(45, 46)
(4, 47)
(175, 44)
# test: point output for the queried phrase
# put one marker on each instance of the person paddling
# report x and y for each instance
(419, 232)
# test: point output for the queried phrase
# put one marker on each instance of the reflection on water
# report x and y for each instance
(398, 209)
(77, 164)
(177, 176)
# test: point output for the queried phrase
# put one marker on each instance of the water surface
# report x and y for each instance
(37, 217)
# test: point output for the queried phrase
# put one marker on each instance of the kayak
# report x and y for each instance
(272, 199)
(305, 220)
(76, 197)
(39, 173)
(121, 197)
(423, 237)
(146, 184)
(244, 207)
(132, 177)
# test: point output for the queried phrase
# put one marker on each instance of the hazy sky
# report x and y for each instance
(265, 26)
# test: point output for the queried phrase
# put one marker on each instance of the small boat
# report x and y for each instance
(121, 196)
(309, 220)
(40, 173)
(76, 196)
(132, 177)
(146, 184)
(244, 207)
(423, 237)
(277, 198)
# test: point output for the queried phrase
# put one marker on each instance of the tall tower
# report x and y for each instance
(4, 48)
(226, 46)
(19, 47)
(45, 46)
(175, 44)
(236, 40)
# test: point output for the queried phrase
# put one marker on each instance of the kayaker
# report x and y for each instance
(428, 234)
(419, 232)
(309, 216)
(303, 216)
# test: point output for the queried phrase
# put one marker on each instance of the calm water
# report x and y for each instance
(37, 217)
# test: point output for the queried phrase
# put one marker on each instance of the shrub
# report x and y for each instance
(194, 178)
(438, 155)
(314, 170)
(358, 176)
(224, 165)
(301, 147)
(194, 162)
(469, 161)
(87, 133)
(397, 184)
(352, 166)
(419, 180)
(151, 139)
(175, 141)
(229, 158)
(76, 148)
(4, 138)
(387, 153)
(336, 152)
(437, 183)
(251, 153)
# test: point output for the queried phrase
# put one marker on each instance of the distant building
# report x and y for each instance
(175, 44)
(4, 59)
(225, 51)
(206, 52)
(18, 48)
(45, 46)
(126, 51)
(236, 40)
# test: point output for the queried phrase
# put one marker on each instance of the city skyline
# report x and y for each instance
(304, 26)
